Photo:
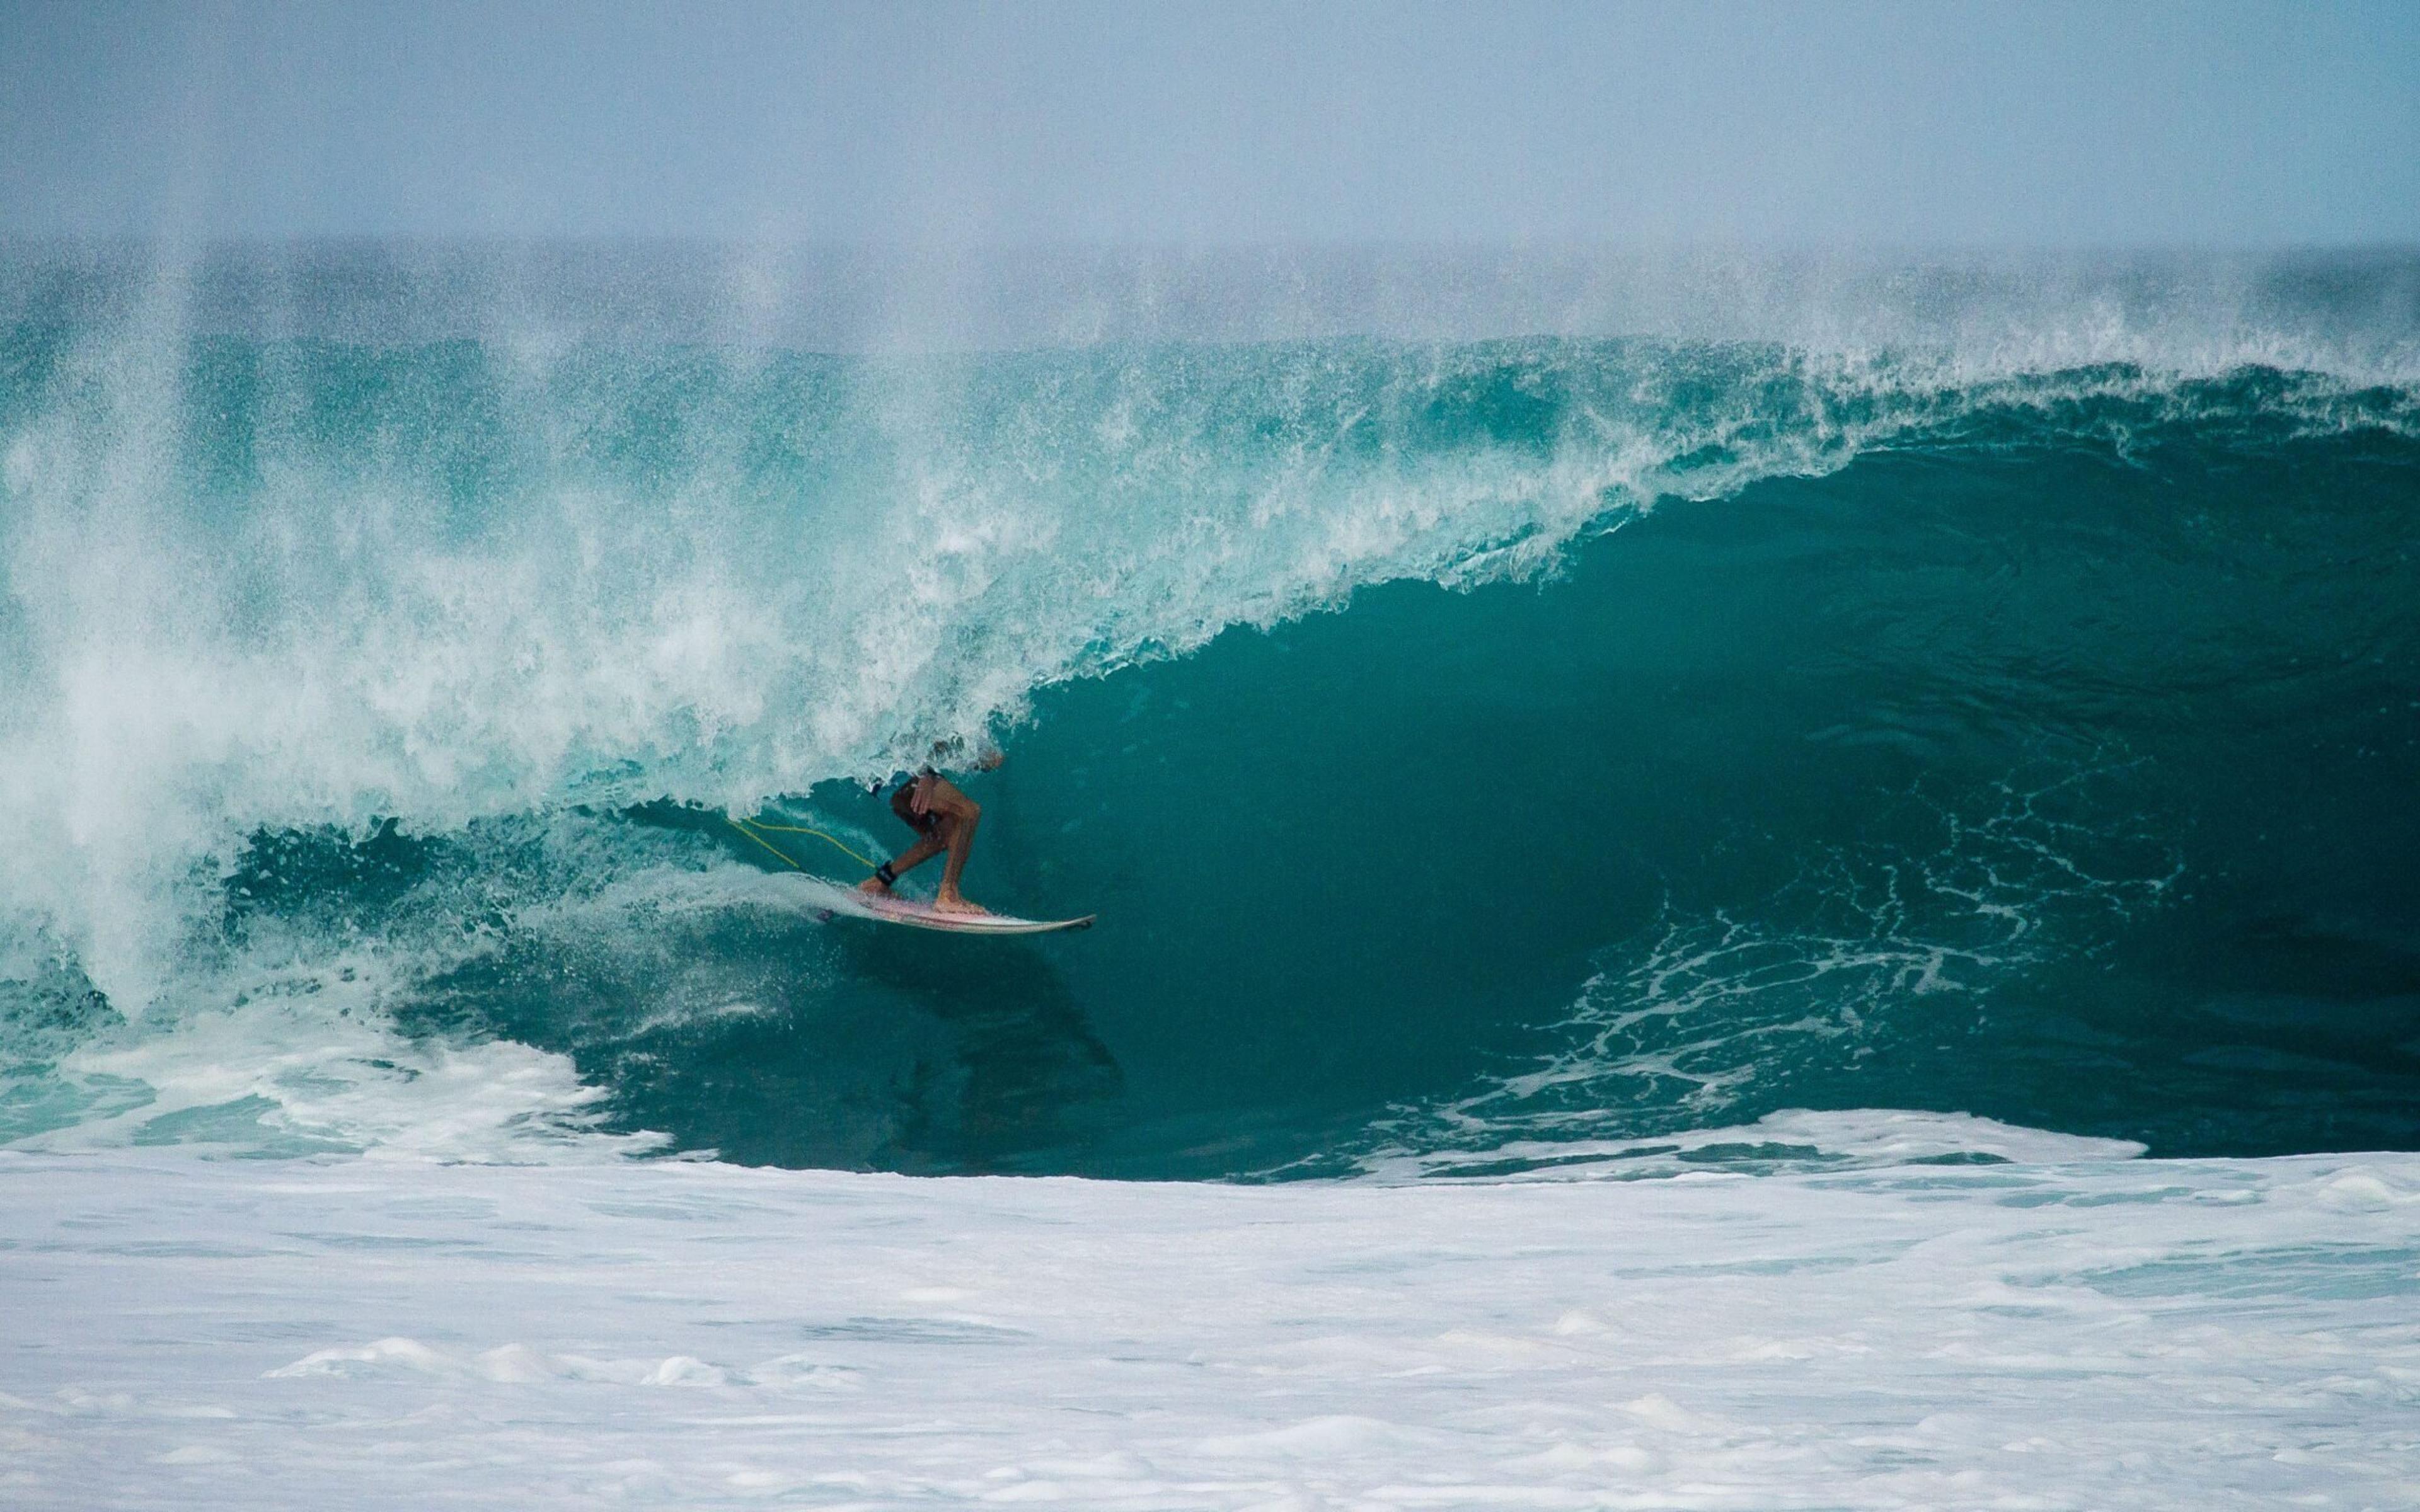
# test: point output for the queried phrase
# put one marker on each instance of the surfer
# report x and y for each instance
(944, 819)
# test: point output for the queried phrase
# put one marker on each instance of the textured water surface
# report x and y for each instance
(2078, 1332)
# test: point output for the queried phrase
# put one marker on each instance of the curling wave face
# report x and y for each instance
(2009, 726)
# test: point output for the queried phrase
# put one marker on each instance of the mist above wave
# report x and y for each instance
(2352, 314)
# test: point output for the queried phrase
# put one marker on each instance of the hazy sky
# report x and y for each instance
(2026, 123)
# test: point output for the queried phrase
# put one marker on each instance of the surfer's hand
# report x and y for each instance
(921, 801)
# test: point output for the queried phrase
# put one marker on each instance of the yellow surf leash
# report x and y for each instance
(750, 828)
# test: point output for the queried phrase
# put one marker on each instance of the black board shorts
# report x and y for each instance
(902, 800)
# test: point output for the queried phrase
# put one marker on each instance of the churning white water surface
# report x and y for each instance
(2072, 1329)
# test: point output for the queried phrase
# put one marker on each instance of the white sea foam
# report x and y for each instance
(2090, 1334)
(290, 1044)
(314, 1064)
(1794, 1139)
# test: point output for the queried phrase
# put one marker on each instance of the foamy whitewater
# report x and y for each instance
(1723, 881)
(707, 1335)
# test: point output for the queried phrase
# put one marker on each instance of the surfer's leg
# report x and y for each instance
(933, 844)
(961, 831)
(934, 829)
(959, 815)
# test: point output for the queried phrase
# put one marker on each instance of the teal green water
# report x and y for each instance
(1898, 789)
(1468, 746)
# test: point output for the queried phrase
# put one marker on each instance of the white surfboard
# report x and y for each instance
(831, 898)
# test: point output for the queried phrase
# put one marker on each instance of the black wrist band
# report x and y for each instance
(884, 874)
